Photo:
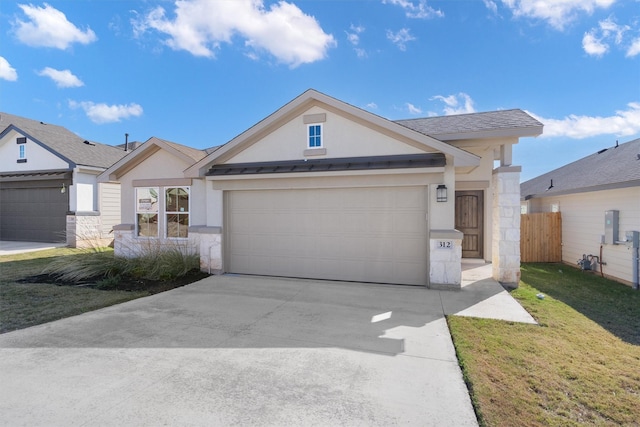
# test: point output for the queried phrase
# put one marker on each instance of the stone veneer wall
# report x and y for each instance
(84, 229)
(127, 245)
(210, 247)
(506, 225)
(445, 259)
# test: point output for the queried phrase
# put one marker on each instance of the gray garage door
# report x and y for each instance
(33, 213)
(353, 234)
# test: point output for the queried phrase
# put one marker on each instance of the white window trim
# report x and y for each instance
(321, 136)
(138, 212)
(22, 151)
(165, 212)
(161, 212)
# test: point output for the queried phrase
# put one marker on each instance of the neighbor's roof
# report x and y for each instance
(476, 125)
(615, 167)
(63, 142)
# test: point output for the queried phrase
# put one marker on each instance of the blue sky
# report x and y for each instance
(199, 72)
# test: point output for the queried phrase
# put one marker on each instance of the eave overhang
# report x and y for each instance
(346, 164)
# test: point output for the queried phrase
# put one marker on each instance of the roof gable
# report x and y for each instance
(306, 102)
(614, 167)
(62, 142)
(147, 149)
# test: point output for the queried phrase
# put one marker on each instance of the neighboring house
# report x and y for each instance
(48, 186)
(583, 191)
(322, 189)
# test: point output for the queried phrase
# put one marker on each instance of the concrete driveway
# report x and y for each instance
(238, 350)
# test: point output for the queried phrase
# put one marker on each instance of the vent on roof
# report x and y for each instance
(88, 143)
(602, 151)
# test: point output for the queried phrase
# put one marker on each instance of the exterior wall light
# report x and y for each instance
(63, 189)
(441, 193)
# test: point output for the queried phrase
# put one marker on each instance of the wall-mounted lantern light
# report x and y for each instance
(63, 189)
(441, 193)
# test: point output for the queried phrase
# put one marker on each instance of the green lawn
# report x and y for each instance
(28, 304)
(581, 366)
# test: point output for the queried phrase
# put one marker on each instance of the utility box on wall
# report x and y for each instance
(611, 227)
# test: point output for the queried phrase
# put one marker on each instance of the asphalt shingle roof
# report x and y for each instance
(445, 127)
(614, 167)
(64, 142)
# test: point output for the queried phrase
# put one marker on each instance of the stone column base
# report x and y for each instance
(445, 259)
(210, 247)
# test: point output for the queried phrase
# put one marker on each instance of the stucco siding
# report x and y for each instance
(341, 138)
(84, 194)
(160, 165)
(37, 157)
(583, 220)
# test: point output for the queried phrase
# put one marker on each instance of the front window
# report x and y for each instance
(147, 212)
(315, 136)
(23, 154)
(177, 211)
(162, 212)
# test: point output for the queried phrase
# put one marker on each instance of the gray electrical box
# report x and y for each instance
(632, 239)
(611, 227)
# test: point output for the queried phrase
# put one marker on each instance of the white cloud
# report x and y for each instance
(558, 13)
(48, 27)
(413, 109)
(372, 106)
(491, 5)
(419, 9)
(7, 72)
(400, 38)
(593, 45)
(201, 26)
(623, 123)
(634, 48)
(456, 104)
(103, 113)
(62, 78)
(598, 40)
(353, 36)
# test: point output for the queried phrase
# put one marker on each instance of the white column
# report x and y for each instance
(506, 225)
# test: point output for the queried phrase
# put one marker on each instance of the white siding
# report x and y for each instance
(109, 207)
(38, 158)
(583, 226)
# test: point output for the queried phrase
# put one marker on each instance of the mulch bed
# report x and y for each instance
(124, 284)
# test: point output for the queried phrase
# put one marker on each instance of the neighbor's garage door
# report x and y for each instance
(33, 214)
(354, 234)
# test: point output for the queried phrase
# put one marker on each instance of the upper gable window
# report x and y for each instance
(315, 136)
(22, 149)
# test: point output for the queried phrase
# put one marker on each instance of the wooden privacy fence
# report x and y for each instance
(541, 237)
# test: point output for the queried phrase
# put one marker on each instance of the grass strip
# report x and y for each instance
(581, 366)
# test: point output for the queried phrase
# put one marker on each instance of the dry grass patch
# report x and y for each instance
(86, 280)
(581, 366)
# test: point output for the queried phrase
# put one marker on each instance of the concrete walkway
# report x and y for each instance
(12, 248)
(239, 350)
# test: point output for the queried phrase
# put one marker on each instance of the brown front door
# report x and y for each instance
(469, 220)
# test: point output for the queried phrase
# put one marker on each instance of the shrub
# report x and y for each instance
(158, 262)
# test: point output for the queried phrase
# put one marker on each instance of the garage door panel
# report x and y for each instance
(33, 213)
(407, 222)
(365, 234)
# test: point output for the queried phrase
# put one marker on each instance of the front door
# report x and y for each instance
(469, 220)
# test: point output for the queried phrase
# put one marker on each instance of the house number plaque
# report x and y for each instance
(445, 244)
